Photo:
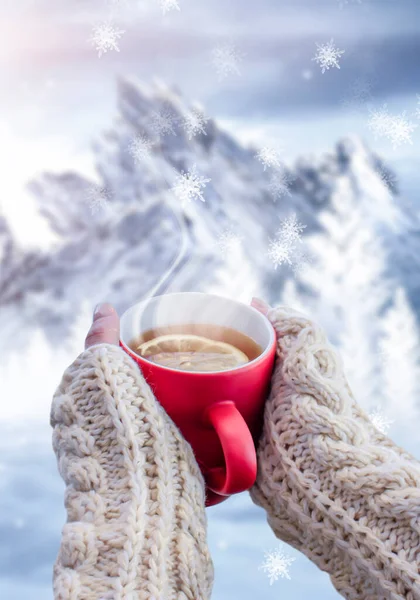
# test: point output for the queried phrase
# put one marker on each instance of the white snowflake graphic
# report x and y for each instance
(269, 157)
(291, 230)
(380, 121)
(277, 564)
(168, 5)
(401, 130)
(105, 37)
(140, 148)
(226, 58)
(228, 240)
(189, 186)
(163, 122)
(98, 198)
(397, 128)
(328, 55)
(284, 249)
(380, 421)
(280, 184)
(195, 122)
(279, 252)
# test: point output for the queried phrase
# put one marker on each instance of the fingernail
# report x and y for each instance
(102, 310)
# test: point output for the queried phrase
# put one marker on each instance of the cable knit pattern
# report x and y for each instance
(333, 486)
(135, 497)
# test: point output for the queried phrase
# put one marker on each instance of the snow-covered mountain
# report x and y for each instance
(128, 235)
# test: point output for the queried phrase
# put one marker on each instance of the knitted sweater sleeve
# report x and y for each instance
(135, 497)
(332, 485)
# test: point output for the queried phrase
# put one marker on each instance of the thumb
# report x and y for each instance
(105, 327)
(260, 305)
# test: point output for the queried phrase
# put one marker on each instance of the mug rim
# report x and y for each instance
(247, 365)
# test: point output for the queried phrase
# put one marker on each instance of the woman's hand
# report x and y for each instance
(261, 305)
(333, 486)
(105, 327)
(135, 496)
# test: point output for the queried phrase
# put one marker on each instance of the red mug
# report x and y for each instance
(220, 413)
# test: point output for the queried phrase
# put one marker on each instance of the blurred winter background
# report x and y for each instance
(149, 147)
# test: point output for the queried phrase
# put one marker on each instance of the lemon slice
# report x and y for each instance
(192, 352)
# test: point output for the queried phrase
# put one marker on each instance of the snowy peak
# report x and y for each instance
(160, 114)
(351, 148)
(170, 181)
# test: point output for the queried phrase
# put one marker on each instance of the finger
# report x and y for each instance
(260, 305)
(105, 327)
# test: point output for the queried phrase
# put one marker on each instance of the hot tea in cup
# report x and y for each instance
(208, 361)
(196, 347)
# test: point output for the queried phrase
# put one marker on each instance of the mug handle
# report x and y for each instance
(240, 471)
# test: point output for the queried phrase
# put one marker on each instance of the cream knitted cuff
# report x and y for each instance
(136, 522)
(333, 486)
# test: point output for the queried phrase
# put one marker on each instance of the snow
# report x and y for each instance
(349, 293)
(400, 349)
(106, 36)
(280, 184)
(389, 180)
(236, 277)
(195, 123)
(291, 230)
(140, 148)
(229, 240)
(302, 260)
(401, 130)
(328, 56)
(284, 248)
(33, 374)
(397, 128)
(163, 121)
(279, 252)
(270, 157)
(142, 222)
(189, 186)
(98, 197)
(380, 421)
(226, 59)
(277, 564)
